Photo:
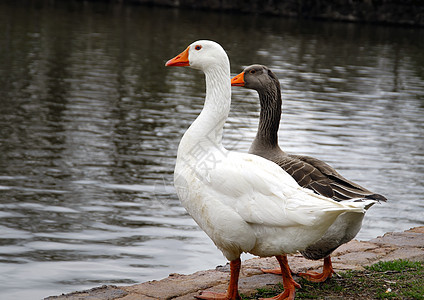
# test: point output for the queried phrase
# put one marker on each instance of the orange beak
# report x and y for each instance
(238, 80)
(181, 60)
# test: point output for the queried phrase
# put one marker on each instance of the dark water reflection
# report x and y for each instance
(91, 119)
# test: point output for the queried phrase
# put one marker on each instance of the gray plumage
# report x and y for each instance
(308, 171)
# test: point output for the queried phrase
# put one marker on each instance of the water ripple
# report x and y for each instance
(91, 120)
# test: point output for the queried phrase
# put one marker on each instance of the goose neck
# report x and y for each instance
(209, 125)
(218, 91)
(270, 115)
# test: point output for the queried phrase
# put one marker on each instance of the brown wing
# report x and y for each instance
(320, 177)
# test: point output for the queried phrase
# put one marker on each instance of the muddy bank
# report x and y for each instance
(351, 256)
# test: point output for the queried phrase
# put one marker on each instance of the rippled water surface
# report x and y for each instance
(90, 122)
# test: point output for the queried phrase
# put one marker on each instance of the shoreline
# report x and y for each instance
(354, 255)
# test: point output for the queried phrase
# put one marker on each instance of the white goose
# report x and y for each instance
(244, 203)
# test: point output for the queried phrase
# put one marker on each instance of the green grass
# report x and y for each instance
(398, 279)
(399, 265)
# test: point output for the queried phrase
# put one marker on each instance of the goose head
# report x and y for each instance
(256, 77)
(267, 85)
(201, 55)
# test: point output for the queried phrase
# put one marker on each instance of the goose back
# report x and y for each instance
(308, 171)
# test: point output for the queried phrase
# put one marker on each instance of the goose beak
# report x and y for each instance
(181, 60)
(238, 80)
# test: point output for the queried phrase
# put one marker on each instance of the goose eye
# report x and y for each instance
(252, 71)
(198, 47)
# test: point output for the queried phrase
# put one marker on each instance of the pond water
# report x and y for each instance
(91, 119)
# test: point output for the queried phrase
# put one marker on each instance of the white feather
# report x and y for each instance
(245, 203)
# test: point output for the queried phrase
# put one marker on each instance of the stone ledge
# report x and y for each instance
(351, 256)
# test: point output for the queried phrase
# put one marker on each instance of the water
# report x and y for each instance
(90, 122)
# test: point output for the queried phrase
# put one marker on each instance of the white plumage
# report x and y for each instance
(244, 202)
(248, 204)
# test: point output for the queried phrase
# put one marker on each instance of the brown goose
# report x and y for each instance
(309, 172)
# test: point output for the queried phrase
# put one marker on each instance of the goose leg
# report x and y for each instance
(232, 292)
(276, 271)
(327, 272)
(288, 282)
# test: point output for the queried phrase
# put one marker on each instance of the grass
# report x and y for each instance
(398, 279)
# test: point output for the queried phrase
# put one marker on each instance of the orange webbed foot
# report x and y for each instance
(288, 282)
(327, 272)
(315, 276)
(216, 296)
(289, 292)
(276, 271)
